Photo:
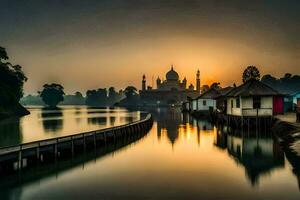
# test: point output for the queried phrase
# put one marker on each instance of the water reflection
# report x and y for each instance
(11, 187)
(52, 119)
(258, 155)
(10, 132)
(48, 123)
(168, 122)
(181, 158)
(294, 158)
(97, 120)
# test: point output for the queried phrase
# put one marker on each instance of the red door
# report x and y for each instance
(277, 105)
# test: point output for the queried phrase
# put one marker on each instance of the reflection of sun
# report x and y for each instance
(163, 132)
(185, 131)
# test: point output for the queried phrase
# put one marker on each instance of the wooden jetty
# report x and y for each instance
(18, 157)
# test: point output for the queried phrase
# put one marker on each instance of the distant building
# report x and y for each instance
(169, 91)
(208, 101)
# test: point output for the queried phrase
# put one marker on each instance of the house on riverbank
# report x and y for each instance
(253, 99)
(206, 102)
(209, 101)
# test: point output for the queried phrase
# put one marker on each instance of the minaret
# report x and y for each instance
(158, 83)
(144, 83)
(198, 81)
(184, 83)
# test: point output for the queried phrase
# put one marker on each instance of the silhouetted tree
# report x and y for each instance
(130, 91)
(204, 88)
(112, 94)
(288, 84)
(96, 97)
(52, 94)
(12, 79)
(78, 94)
(215, 86)
(73, 99)
(251, 72)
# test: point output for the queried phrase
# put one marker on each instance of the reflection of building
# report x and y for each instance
(171, 123)
(168, 120)
(258, 155)
(169, 91)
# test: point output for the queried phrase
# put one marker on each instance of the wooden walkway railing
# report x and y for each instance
(18, 155)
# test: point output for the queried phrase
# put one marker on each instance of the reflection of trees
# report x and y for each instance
(258, 155)
(10, 132)
(97, 120)
(112, 120)
(52, 119)
(127, 119)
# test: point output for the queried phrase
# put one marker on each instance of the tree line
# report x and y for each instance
(53, 94)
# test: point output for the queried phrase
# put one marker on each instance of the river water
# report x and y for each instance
(179, 158)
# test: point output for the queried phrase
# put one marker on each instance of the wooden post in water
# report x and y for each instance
(84, 145)
(20, 162)
(55, 150)
(38, 152)
(72, 146)
(95, 142)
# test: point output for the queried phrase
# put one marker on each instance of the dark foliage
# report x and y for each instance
(52, 94)
(73, 99)
(288, 84)
(251, 72)
(96, 97)
(103, 98)
(12, 79)
(130, 91)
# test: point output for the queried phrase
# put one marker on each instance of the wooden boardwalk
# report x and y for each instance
(20, 156)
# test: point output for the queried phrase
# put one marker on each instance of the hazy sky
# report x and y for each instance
(98, 43)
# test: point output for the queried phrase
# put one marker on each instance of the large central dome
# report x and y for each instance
(172, 75)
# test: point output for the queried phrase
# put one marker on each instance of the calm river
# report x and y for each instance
(179, 158)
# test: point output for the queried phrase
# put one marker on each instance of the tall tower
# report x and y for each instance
(144, 83)
(184, 83)
(198, 81)
(158, 83)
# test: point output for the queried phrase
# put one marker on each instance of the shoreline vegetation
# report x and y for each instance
(12, 79)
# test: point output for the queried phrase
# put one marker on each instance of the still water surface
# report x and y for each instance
(180, 158)
(44, 123)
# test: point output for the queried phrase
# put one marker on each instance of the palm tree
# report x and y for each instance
(251, 72)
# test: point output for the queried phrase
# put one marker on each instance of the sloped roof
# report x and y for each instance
(253, 88)
(225, 91)
(209, 94)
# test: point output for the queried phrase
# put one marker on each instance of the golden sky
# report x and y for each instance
(93, 44)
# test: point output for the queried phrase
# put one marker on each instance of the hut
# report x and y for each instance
(206, 102)
(253, 99)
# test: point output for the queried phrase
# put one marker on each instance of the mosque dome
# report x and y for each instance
(172, 75)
